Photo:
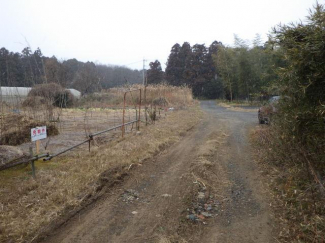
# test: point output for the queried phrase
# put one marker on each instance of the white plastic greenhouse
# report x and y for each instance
(19, 94)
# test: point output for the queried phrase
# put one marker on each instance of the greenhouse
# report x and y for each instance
(18, 94)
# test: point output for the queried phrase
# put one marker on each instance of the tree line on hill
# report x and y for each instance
(218, 71)
(29, 68)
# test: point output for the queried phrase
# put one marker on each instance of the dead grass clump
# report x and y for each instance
(47, 91)
(297, 192)
(160, 101)
(34, 102)
(207, 166)
(23, 135)
(52, 93)
(8, 153)
(20, 132)
(64, 183)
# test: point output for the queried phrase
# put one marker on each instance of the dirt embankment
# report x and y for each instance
(205, 188)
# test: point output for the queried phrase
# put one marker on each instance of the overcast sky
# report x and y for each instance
(122, 32)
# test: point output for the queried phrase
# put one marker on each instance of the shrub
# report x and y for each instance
(53, 93)
(294, 146)
(48, 91)
(64, 99)
(161, 101)
(301, 116)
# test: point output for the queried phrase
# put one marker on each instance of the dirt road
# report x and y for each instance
(205, 188)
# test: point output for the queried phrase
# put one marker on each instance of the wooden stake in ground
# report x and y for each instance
(37, 146)
(32, 162)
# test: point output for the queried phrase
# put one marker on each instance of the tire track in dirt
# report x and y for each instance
(246, 216)
(152, 205)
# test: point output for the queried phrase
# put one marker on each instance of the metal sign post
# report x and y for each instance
(137, 114)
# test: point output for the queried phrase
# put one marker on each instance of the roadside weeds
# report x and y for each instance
(296, 202)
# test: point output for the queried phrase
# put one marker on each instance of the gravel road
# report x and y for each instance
(155, 203)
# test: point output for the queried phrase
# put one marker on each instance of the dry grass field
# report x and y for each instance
(63, 184)
(92, 113)
(179, 97)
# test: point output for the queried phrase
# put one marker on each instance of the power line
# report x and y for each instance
(132, 63)
(135, 62)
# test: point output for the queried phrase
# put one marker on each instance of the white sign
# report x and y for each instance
(38, 133)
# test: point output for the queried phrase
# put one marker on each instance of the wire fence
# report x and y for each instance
(92, 126)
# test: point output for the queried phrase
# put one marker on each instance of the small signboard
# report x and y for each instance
(38, 133)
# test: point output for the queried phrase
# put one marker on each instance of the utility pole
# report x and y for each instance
(144, 81)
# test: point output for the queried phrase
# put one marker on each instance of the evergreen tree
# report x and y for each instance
(185, 56)
(212, 87)
(29, 77)
(155, 74)
(200, 71)
(38, 66)
(4, 76)
(15, 70)
(194, 66)
(174, 67)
